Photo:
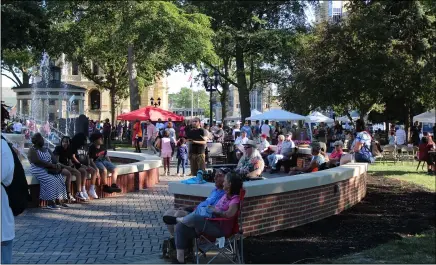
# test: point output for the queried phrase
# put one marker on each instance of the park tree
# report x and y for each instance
(381, 50)
(25, 31)
(249, 37)
(183, 99)
(161, 36)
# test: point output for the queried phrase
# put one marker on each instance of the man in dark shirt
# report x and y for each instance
(107, 133)
(101, 162)
(197, 138)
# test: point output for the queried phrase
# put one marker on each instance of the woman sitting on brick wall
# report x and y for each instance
(190, 226)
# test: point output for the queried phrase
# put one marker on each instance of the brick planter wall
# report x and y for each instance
(268, 213)
(130, 182)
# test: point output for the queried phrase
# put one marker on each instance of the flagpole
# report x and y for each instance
(192, 102)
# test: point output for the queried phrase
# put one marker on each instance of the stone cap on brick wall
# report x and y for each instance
(279, 184)
(145, 162)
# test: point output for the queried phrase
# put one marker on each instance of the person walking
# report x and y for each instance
(137, 136)
(197, 137)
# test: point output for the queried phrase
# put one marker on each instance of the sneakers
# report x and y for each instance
(107, 189)
(178, 175)
(184, 175)
(115, 188)
(71, 198)
(52, 206)
(93, 194)
(63, 205)
(85, 194)
(80, 196)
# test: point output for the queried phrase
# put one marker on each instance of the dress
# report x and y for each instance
(166, 149)
(52, 186)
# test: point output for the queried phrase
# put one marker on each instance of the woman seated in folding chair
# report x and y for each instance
(190, 226)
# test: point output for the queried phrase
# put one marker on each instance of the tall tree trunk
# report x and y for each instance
(224, 96)
(113, 104)
(133, 82)
(244, 97)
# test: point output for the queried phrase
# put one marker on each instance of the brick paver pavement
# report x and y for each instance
(124, 229)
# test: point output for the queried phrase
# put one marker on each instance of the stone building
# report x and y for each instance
(54, 99)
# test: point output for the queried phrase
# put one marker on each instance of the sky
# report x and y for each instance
(176, 80)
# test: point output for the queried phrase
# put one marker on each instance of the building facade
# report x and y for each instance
(330, 10)
(55, 101)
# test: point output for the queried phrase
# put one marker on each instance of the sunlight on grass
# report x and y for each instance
(406, 172)
(414, 249)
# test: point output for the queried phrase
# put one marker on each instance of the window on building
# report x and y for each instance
(75, 68)
(94, 100)
(52, 102)
(95, 68)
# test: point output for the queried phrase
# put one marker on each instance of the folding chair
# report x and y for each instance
(390, 152)
(233, 246)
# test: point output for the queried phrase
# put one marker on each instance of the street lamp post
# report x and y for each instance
(155, 103)
(210, 86)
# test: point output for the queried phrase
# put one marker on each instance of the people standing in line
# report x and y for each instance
(151, 136)
(182, 155)
(107, 133)
(8, 222)
(197, 136)
(137, 136)
(266, 129)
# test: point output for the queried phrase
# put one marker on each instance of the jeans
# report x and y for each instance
(197, 224)
(273, 159)
(150, 145)
(183, 162)
(7, 252)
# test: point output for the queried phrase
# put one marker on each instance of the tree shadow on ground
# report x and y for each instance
(390, 209)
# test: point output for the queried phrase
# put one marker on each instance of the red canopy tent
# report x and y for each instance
(149, 112)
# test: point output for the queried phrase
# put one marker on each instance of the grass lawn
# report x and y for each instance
(416, 249)
(405, 172)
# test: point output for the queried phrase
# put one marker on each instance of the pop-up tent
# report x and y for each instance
(319, 117)
(149, 112)
(278, 115)
(354, 115)
(428, 117)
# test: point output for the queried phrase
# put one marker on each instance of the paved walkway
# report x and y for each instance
(124, 229)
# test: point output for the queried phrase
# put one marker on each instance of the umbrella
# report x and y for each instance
(319, 117)
(429, 116)
(278, 115)
(150, 112)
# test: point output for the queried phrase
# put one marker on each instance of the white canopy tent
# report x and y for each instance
(255, 112)
(319, 117)
(278, 115)
(354, 115)
(428, 117)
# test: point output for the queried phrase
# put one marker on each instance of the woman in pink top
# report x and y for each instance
(227, 207)
(166, 151)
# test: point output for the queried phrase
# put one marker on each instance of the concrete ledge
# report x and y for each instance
(290, 201)
(279, 184)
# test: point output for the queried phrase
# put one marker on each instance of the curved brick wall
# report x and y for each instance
(266, 213)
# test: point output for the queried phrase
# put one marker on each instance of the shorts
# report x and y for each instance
(139, 139)
(102, 164)
(77, 166)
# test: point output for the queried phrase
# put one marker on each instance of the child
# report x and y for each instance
(182, 155)
(166, 151)
(101, 162)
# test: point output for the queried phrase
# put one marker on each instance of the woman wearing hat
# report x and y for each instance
(251, 163)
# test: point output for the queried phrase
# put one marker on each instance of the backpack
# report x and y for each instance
(18, 191)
